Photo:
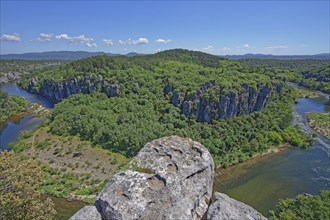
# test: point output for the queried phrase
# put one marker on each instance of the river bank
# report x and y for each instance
(320, 122)
(65, 208)
(27, 121)
(309, 93)
(235, 171)
(260, 182)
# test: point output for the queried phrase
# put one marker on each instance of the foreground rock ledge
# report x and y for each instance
(171, 178)
(225, 207)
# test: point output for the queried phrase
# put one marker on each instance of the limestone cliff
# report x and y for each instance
(170, 178)
(56, 91)
(10, 76)
(230, 104)
(225, 104)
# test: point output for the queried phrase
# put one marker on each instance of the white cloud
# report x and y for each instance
(140, 41)
(10, 37)
(163, 41)
(247, 46)
(45, 37)
(208, 48)
(108, 42)
(226, 49)
(81, 39)
(277, 47)
(63, 37)
(91, 44)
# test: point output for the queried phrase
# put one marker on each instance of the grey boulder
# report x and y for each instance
(172, 179)
(87, 213)
(226, 208)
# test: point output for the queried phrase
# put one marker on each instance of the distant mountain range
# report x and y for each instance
(76, 55)
(60, 55)
(270, 56)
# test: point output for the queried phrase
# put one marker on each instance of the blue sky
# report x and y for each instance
(217, 27)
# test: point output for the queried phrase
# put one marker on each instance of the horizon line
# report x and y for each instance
(114, 53)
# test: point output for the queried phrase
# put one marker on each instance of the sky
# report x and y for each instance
(216, 27)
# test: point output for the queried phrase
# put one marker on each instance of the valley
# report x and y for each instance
(164, 110)
(107, 108)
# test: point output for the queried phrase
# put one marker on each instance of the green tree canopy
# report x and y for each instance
(19, 198)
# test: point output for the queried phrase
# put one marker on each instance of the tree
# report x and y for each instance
(19, 198)
(303, 207)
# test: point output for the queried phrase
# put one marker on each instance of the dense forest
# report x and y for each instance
(310, 73)
(10, 105)
(110, 107)
(14, 69)
(304, 206)
(141, 111)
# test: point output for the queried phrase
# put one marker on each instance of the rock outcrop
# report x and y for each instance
(224, 105)
(56, 91)
(232, 104)
(171, 178)
(225, 207)
(87, 213)
(10, 76)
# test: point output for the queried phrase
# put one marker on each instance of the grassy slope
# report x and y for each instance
(72, 168)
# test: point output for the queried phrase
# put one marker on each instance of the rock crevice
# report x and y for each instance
(180, 187)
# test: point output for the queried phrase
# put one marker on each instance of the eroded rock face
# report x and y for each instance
(170, 178)
(249, 100)
(56, 91)
(173, 179)
(183, 178)
(225, 207)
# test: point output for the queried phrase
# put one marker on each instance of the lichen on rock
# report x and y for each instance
(170, 178)
(225, 207)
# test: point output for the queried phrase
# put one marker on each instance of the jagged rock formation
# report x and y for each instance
(170, 178)
(56, 91)
(6, 77)
(174, 181)
(225, 207)
(229, 105)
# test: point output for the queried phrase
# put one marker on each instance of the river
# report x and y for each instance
(65, 208)
(27, 122)
(258, 182)
(262, 181)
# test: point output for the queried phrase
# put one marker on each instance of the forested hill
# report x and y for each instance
(75, 55)
(310, 73)
(182, 71)
(235, 110)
